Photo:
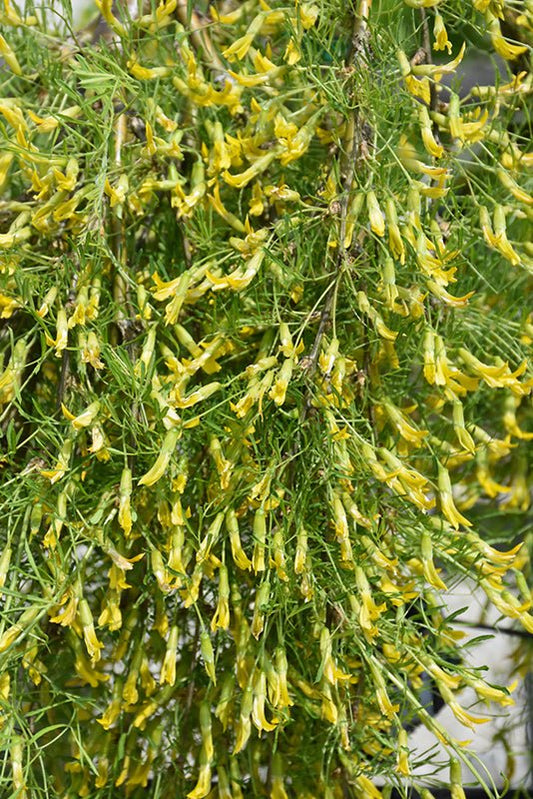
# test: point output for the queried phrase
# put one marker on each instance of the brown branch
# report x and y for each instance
(426, 44)
(349, 159)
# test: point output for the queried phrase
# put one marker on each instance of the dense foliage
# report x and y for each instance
(264, 389)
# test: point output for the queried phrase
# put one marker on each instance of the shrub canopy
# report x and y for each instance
(263, 392)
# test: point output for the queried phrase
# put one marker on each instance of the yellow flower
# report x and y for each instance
(434, 191)
(258, 705)
(377, 220)
(147, 73)
(112, 711)
(85, 671)
(301, 550)
(8, 305)
(169, 125)
(221, 617)
(437, 70)
(292, 53)
(239, 48)
(66, 614)
(498, 237)
(159, 571)
(85, 418)
(367, 788)
(63, 463)
(67, 181)
(430, 572)
(295, 142)
(111, 614)
(521, 195)
(406, 430)
(510, 421)
(266, 70)
(168, 669)
(196, 396)
(12, 633)
(99, 444)
(90, 350)
(329, 709)
(369, 611)
(489, 693)
(385, 705)
(441, 37)
(261, 599)
(120, 561)
(402, 765)
(283, 377)
(281, 193)
(256, 201)
(467, 719)
(328, 667)
(463, 436)
(89, 635)
(61, 339)
(117, 193)
(203, 786)
(10, 17)
(239, 556)
(498, 375)
(446, 500)
(504, 48)
(426, 129)
(223, 465)
(284, 699)
(105, 8)
(342, 532)
(396, 244)
(308, 12)
(163, 459)
(259, 535)
(260, 165)
(9, 56)
(206, 649)
(124, 509)
(244, 725)
(368, 309)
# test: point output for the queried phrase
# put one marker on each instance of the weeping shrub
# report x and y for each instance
(264, 390)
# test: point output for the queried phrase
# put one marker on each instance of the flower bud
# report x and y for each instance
(5, 560)
(259, 531)
(261, 602)
(168, 670)
(206, 649)
(124, 509)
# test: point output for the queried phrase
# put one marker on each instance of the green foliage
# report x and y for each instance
(263, 393)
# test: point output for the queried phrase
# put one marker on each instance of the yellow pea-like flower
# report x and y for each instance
(377, 220)
(448, 508)
(163, 459)
(9, 56)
